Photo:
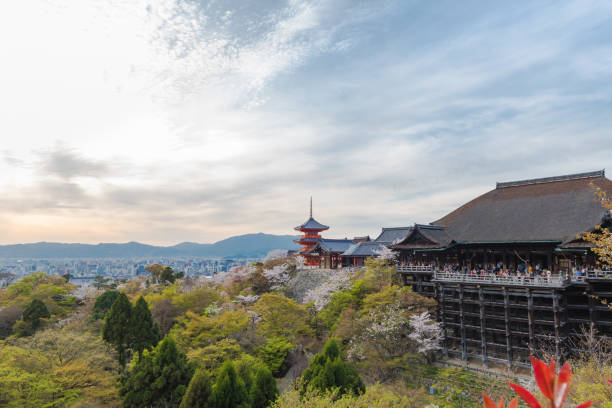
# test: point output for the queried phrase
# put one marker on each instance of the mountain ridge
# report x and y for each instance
(239, 246)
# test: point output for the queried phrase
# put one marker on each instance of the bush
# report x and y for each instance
(329, 372)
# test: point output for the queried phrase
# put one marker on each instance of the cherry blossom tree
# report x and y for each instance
(426, 332)
(322, 293)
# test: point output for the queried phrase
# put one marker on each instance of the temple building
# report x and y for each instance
(311, 234)
(509, 270)
(357, 253)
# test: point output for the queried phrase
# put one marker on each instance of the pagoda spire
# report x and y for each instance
(310, 206)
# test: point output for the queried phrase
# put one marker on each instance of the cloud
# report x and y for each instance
(67, 164)
(196, 120)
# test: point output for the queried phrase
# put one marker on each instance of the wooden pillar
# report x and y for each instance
(557, 325)
(483, 336)
(462, 325)
(443, 320)
(591, 306)
(530, 318)
(549, 260)
(565, 316)
(508, 331)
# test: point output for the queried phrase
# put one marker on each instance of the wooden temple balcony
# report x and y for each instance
(537, 281)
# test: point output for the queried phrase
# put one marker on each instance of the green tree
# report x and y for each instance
(103, 304)
(145, 332)
(106, 300)
(328, 371)
(199, 391)
(281, 317)
(35, 311)
(168, 275)
(100, 282)
(229, 390)
(116, 330)
(274, 353)
(159, 378)
(263, 390)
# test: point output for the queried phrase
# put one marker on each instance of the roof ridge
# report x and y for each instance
(429, 226)
(394, 228)
(576, 176)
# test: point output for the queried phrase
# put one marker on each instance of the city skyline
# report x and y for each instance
(193, 121)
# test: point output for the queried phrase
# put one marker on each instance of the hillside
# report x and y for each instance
(248, 246)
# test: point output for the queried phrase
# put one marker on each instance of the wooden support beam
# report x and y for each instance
(508, 331)
(462, 325)
(483, 336)
(443, 321)
(530, 318)
(557, 326)
(591, 306)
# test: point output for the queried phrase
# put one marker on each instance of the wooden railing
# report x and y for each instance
(544, 281)
(414, 269)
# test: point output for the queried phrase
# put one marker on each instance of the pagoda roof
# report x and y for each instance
(312, 224)
(552, 209)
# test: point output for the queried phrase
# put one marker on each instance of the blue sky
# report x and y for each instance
(168, 121)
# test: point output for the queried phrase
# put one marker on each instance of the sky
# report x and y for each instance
(181, 120)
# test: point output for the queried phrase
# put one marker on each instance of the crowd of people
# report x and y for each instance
(520, 272)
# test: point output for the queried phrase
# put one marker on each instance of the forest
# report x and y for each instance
(270, 334)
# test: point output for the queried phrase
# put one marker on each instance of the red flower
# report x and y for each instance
(554, 387)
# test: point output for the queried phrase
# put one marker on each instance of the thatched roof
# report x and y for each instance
(552, 209)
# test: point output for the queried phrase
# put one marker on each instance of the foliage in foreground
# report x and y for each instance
(57, 367)
(376, 396)
(553, 386)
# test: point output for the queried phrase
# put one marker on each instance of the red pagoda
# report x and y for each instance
(311, 230)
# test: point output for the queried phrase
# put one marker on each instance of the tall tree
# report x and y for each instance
(35, 311)
(328, 371)
(159, 378)
(145, 332)
(116, 330)
(105, 301)
(229, 390)
(263, 390)
(199, 391)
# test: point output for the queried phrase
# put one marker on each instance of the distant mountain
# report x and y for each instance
(245, 246)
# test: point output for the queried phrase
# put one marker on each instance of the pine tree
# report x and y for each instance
(199, 391)
(159, 378)
(116, 330)
(328, 370)
(144, 331)
(263, 390)
(34, 312)
(229, 390)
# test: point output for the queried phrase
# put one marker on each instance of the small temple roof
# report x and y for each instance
(425, 236)
(364, 249)
(312, 224)
(335, 245)
(538, 210)
(393, 235)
